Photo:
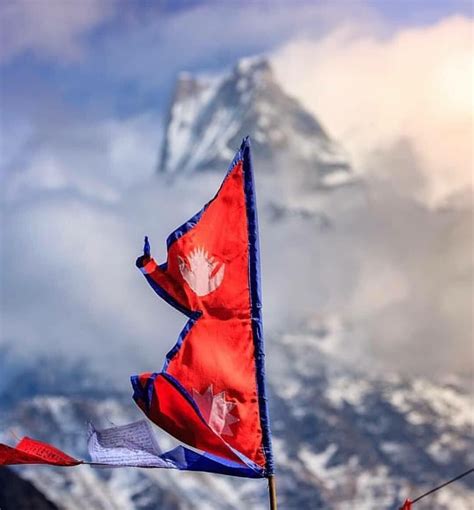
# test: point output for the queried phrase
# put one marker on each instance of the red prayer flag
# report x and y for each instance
(30, 451)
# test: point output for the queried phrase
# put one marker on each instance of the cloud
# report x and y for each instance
(52, 29)
(69, 284)
(393, 276)
(390, 280)
(152, 49)
(82, 191)
(74, 194)
(371, 93)
(97, 160)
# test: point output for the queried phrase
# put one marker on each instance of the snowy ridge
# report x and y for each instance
(191, 95)
(344, 439)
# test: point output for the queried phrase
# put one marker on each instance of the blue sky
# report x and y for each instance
(70, 64)
(123, 58)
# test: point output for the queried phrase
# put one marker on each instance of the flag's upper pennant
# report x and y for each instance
(210, 393)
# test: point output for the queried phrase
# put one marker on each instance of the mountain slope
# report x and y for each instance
(343, 439)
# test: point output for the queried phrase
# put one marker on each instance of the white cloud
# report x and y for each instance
(96, 160)
(372, 92)
(69, 283)
(50, 28)
(84, 198)
(152, 49)
(395, 272)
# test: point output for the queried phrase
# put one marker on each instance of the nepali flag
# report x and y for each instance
(210, 393)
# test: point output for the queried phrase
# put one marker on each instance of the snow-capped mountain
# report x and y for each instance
(207, 119)
(343, 440)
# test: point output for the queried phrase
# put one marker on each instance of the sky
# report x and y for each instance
(67, 67)
(122, 57)
(84, 90)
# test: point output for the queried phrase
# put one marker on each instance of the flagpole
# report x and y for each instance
(272, 492)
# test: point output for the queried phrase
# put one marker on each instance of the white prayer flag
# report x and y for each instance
(128, 445)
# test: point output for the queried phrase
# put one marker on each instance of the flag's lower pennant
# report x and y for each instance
(174, 404)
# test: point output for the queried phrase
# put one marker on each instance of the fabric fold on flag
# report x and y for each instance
(173, 403)
(210, 393)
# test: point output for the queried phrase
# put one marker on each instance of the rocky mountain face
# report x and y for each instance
(207, 119)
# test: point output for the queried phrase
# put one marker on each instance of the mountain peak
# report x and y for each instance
(208, 119)
(251, 65)
(256, 69)
(187, 86)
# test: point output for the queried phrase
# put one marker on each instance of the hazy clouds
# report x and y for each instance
(52, 29)
(79, 188)
(372, 91)
(393, 278)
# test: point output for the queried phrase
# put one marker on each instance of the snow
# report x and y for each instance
(184, 113)
(316, 462)
(455, 498)
(242, 84)
(344, 479)
(344, 390)
(441, 448)
(336, 178)
(223, 127)
(451, 407)
(368, 490)
(205, 123)
(247, 64)
(289, 389)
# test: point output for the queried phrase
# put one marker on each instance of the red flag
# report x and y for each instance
(406, 505)
(30, 451)
(211, 391)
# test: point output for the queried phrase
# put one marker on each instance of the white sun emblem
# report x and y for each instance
(201, 272)
(216, 411)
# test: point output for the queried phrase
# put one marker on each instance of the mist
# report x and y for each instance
(373, 90)
(392, 276)
(385, 265)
